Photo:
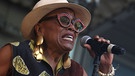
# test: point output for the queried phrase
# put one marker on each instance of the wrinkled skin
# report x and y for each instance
(53, 33)
(55, 44)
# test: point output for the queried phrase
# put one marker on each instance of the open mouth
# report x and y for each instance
(68, 37)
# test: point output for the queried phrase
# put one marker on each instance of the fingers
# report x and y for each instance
(108, 41)
(87, 46)
(91, 52)
(101, 39)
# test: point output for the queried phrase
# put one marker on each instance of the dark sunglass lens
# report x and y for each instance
(78, 26)
(65, 21)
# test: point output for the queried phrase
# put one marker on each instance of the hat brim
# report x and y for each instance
(35, 15)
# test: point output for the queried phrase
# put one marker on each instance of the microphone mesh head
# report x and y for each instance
(84, 40)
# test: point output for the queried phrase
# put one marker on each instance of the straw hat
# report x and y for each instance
(43, 7)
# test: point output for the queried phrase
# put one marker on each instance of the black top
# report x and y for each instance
(24, 64)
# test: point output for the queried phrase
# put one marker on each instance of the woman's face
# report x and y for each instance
(55, 36)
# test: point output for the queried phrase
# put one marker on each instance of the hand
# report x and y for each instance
(106, 58)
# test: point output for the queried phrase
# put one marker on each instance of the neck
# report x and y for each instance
(53, 57)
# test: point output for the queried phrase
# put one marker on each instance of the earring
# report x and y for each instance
(38, 51)
(39, 40)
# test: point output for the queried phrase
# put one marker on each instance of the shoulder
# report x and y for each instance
(79, 69)
(5, 59)
(23, 43)
(75, 64)
(6, 52)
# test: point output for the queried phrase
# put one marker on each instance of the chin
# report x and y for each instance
(68, 48)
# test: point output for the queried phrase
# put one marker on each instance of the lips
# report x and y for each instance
(68, 37)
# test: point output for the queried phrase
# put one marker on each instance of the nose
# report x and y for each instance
(71, 27)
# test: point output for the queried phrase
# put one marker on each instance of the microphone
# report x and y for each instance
(100, 47)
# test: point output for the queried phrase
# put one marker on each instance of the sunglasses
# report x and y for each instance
(66, 20)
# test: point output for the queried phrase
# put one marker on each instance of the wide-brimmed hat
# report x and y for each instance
(43, 7)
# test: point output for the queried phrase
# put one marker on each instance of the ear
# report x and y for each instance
(37, 28)
(39, 37)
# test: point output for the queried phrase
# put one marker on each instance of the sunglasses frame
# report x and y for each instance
(72, 20)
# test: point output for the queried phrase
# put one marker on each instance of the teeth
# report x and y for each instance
(69, 38)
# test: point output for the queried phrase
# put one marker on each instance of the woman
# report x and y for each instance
(50, 29)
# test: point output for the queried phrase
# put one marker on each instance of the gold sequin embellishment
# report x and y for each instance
(15, 43)
(20, 66)
(44, 73)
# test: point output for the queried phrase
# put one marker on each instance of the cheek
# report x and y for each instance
(51, 32)
(50, 28)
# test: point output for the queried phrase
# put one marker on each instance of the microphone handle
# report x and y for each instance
(98, 47)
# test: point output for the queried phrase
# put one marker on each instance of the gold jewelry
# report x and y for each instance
(112, 73)
(38, 51)
(39, 40)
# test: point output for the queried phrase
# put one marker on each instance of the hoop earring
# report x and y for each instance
(38, 51)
